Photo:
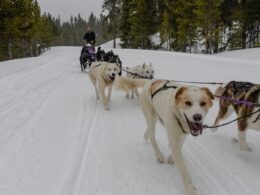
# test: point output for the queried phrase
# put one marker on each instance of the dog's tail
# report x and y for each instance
(127, 84)
(219, 91)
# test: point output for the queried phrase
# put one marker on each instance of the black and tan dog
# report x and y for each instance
(241, 92)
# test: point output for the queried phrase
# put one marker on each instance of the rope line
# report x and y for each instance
(224, 124)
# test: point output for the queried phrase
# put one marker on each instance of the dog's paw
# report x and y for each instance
(170, 160)
(246, 148)
(106, 107)
(234, 140)
(161, 159)
(242, 147)
(191, 190)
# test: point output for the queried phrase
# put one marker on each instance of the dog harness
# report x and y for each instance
(239, 88)
(179, 122)
(165, 87)
(97, 65)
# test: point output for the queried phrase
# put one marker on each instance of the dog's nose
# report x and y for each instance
(113, 74)
(151, 77)
(197, 117)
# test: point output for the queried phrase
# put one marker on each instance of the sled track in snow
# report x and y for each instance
(27, 70)
(33, 92)
(19, 135)
(72, 185)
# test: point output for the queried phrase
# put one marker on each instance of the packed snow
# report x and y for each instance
(56, 138)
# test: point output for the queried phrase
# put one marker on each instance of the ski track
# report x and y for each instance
(56, 138)
(70, 185)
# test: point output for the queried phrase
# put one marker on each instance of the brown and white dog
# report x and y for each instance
(137, 72)
(244, 91)
(102, 76)
(181, 110)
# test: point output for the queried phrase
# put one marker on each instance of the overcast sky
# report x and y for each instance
(66, 8)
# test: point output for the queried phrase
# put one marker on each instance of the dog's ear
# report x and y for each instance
(178, 93)
(208, 92)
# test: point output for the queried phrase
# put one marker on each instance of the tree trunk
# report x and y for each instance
(114, 31)
(25, 48)
(10, 49)
(190, 45)
(258, 28)
(36, 48)
(114, 41)
(31, 49)
(244, 35)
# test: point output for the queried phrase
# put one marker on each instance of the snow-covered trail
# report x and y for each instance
(43, 110)
(57, 139)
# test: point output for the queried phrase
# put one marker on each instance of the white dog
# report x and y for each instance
(139, 71)
(102, 75)
(181, 110)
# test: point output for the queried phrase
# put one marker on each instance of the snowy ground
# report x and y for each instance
(56, 139)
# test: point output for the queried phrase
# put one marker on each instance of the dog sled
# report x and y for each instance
(87, 56)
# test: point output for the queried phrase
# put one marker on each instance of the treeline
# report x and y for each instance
(25, 31)
(72, 32)
(208, 26)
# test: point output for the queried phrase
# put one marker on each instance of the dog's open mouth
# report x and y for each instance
(112, 78)
(195, 127)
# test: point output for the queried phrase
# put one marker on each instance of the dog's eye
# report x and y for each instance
(114, 69)
(109, 69)
(188, 103)
(203, 103)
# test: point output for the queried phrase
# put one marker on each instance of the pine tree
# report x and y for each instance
(92, 22)
(79, 29)
(113, 8)
(125, 26)
(105, 28)
(166, 29)
(186, 24)
(142, 24)
(208, 21)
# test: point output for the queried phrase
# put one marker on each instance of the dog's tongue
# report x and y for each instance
(195, 128)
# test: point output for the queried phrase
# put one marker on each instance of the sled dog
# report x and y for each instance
(102, 76)
(244, 91)
(181, 110)
(139, 71)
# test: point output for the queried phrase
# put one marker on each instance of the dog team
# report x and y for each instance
(181, 109)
